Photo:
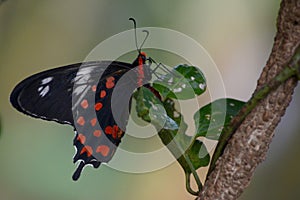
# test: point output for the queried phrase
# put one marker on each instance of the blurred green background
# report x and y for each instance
(35, 35)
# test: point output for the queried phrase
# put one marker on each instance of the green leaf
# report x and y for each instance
(151, 109)
(197, 154)
(183, 82)
(211, 119)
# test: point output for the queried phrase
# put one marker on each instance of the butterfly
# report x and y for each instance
(94, 97)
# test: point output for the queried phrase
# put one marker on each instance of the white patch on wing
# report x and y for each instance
(44, 86)
(46, 80)
(83, 75)
(79, 90)
(44, 91)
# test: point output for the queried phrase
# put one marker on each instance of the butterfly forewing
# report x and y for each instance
(48, 95)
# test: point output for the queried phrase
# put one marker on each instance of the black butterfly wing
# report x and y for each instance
(72, 95)
(48, 94)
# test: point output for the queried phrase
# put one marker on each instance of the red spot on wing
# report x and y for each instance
(120, 133)
(98, 106)
(108, 130)
(110, 85)
(84, 104)
(81, 121)
(88, 150)
(81, 138)
(97, 133)
(93, 121)
(94, 87)
(110, 82)
(103, 149)
(112, 131)
(102, 93)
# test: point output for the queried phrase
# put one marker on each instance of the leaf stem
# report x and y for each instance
(187, 184)
(192, 169)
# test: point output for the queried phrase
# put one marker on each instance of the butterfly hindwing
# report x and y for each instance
(101, 114)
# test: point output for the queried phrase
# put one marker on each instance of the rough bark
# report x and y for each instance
(248, 146)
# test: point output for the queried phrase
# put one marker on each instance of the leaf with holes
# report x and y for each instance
(183, 82)
(211, 119)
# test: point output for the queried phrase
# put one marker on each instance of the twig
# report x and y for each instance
(250, 142)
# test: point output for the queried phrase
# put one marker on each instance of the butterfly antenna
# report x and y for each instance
(135, 35)
(147, 34)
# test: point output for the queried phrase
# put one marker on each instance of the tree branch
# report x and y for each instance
(249, 144)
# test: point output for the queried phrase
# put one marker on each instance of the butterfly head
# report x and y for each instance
(142, 58)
